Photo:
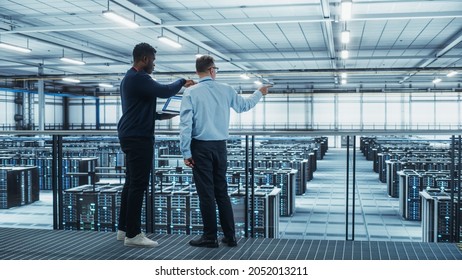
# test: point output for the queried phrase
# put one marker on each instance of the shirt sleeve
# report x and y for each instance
(243, 104)
(186, 123)
(148, 86)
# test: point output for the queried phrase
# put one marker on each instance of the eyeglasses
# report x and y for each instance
(216, 68)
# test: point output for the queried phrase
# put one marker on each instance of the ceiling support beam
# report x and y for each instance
(138, 11)
(454, 42)
(227, 22)
(329, 34)
(180, 33)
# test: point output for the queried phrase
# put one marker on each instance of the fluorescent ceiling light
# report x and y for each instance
(120, 19)
(436, 80)
(72, 61)
(345, 54)
(198, 55)
(245, 76)
(71, 80)
(15, 48)
(343, 75)
(346, 9)
(170, 42)
(258, 83)
(345, 36)
(344, 81)
(105, 85)
(452, 73)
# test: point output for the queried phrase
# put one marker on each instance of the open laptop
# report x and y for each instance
(172, 106)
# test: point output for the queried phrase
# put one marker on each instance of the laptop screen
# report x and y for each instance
(172, 105)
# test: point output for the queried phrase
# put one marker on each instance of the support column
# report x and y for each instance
(312, 111)
(82, 125)
(66, 113)
(336, 124)
(98, 123)
(41, 100)
(41, 104)
(385, 126)
(361, 110)
(410, 111)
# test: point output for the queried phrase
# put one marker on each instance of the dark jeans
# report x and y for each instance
(210, 163)
(138, 158)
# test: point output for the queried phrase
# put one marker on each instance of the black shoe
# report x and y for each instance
(231, 242)
(204, 242)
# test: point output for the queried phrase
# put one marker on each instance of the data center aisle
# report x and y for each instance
(320, 212)
(38, 215)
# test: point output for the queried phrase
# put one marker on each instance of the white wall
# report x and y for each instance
(279, 111)
(82, 111)
(351, 111)
(110, 109)
(53, 108)
(6, 109)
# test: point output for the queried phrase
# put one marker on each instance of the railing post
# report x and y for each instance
(458, 210)
(347, 187)
(246, 202)
(354, 189)
(453, 185)
(252, 182)
(54, 180)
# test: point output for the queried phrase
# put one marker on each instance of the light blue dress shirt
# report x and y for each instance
(205, 111)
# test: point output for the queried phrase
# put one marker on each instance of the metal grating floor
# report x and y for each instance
(37, 244)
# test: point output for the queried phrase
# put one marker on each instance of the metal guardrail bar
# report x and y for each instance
(301, 132)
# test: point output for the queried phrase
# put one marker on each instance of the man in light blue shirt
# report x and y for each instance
(204, 122)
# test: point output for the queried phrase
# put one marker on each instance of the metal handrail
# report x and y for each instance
(289, 132)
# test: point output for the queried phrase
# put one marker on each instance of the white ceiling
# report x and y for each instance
(395, 44)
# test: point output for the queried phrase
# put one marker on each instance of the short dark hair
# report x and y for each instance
(141, 50)
(204, 62)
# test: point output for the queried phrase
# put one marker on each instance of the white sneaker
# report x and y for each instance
(120, 235)
(140, 241)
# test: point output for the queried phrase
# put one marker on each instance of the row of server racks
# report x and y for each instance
(425, 177)
(176, 210)
(280, 172)
(90, 197)
(78, 164)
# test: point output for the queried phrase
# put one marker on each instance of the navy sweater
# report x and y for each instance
(139, 92)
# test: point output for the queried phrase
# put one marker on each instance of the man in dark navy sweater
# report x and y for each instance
(139, 94)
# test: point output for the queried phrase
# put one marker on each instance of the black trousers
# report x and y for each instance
(210, 164)
(138, 159)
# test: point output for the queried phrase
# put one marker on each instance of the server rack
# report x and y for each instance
(109, 207)
(18, 186)
(87, 210)
(161, 211)
(383, 160)
(301, 165)
(179, 212)
(94, 207)
(286, 181)
(237, 198)
(265, 215)
(392, 168)
(409, 199)
(70, 207)
(195, 216)
(435, 216)
(275, 163)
